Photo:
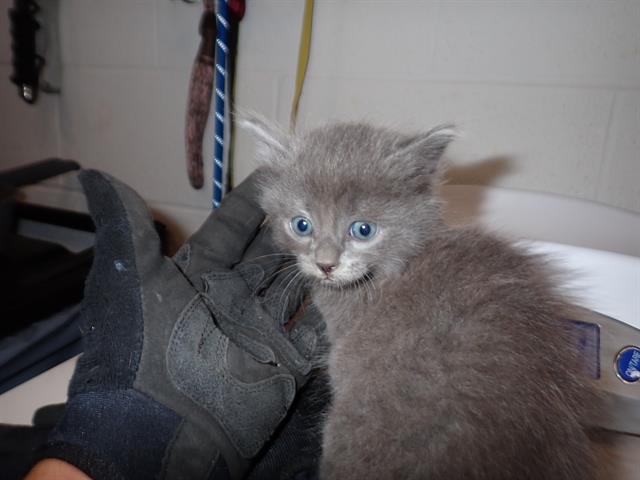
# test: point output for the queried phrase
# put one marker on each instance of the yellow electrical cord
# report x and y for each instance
(303, 60)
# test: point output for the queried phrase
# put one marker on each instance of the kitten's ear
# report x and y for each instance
(273, 144)
(423, 152)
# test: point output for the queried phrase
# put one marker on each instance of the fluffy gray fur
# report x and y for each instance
(447, 355)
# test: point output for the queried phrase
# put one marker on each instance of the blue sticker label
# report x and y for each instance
(628, 364)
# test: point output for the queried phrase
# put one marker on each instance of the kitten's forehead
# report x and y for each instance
(343, 162)
(346, 144)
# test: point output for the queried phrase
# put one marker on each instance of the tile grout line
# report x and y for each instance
(156, 53)
(606, 145)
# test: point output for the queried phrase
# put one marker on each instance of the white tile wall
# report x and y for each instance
(548, 138)
(532, 84)
(270, 32)
(619, 180)
(27, 132)
(260, 93)
(547, 93)
(131, 123)
(112, 33)
(374, 39)
(571, 43)
(176, 34)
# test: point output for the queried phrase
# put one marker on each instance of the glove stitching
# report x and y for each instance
(285, 349)
(247, 446)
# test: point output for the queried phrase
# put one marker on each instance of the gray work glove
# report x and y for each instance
(190, 364)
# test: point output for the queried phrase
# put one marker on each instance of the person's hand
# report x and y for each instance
(190, 364)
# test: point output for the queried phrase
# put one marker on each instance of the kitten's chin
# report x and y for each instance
(345, 283)
(340, 279)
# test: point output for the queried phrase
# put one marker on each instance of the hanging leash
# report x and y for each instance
(212, 71)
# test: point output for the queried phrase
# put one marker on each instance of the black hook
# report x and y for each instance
(27, 64)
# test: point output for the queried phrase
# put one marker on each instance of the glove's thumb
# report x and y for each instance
(120, 215)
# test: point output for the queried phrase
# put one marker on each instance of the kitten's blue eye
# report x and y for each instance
(363, 230)
(301, 226)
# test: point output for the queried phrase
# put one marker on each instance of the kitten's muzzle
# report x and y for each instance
(326, 268)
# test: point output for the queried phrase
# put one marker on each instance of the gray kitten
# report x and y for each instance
(448, 358)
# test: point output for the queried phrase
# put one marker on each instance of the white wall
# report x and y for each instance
(546, 92)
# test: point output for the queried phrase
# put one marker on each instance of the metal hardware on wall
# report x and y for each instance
(27, 63)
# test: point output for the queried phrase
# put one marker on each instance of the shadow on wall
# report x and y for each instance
(482, 173)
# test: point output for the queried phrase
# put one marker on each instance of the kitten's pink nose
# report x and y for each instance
(326, 268)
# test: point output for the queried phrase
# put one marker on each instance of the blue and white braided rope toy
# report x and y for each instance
(222, 51)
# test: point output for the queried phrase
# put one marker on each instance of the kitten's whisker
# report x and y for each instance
(279, 281)
(297, 285)
(289, 276)
(301, 285)
(280, 271)
(282, 296)
(298, 294)
(272, 261)
(277, 254)
(265, 259)
(367, 289)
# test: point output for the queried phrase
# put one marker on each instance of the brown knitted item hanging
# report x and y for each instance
(200, 94)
